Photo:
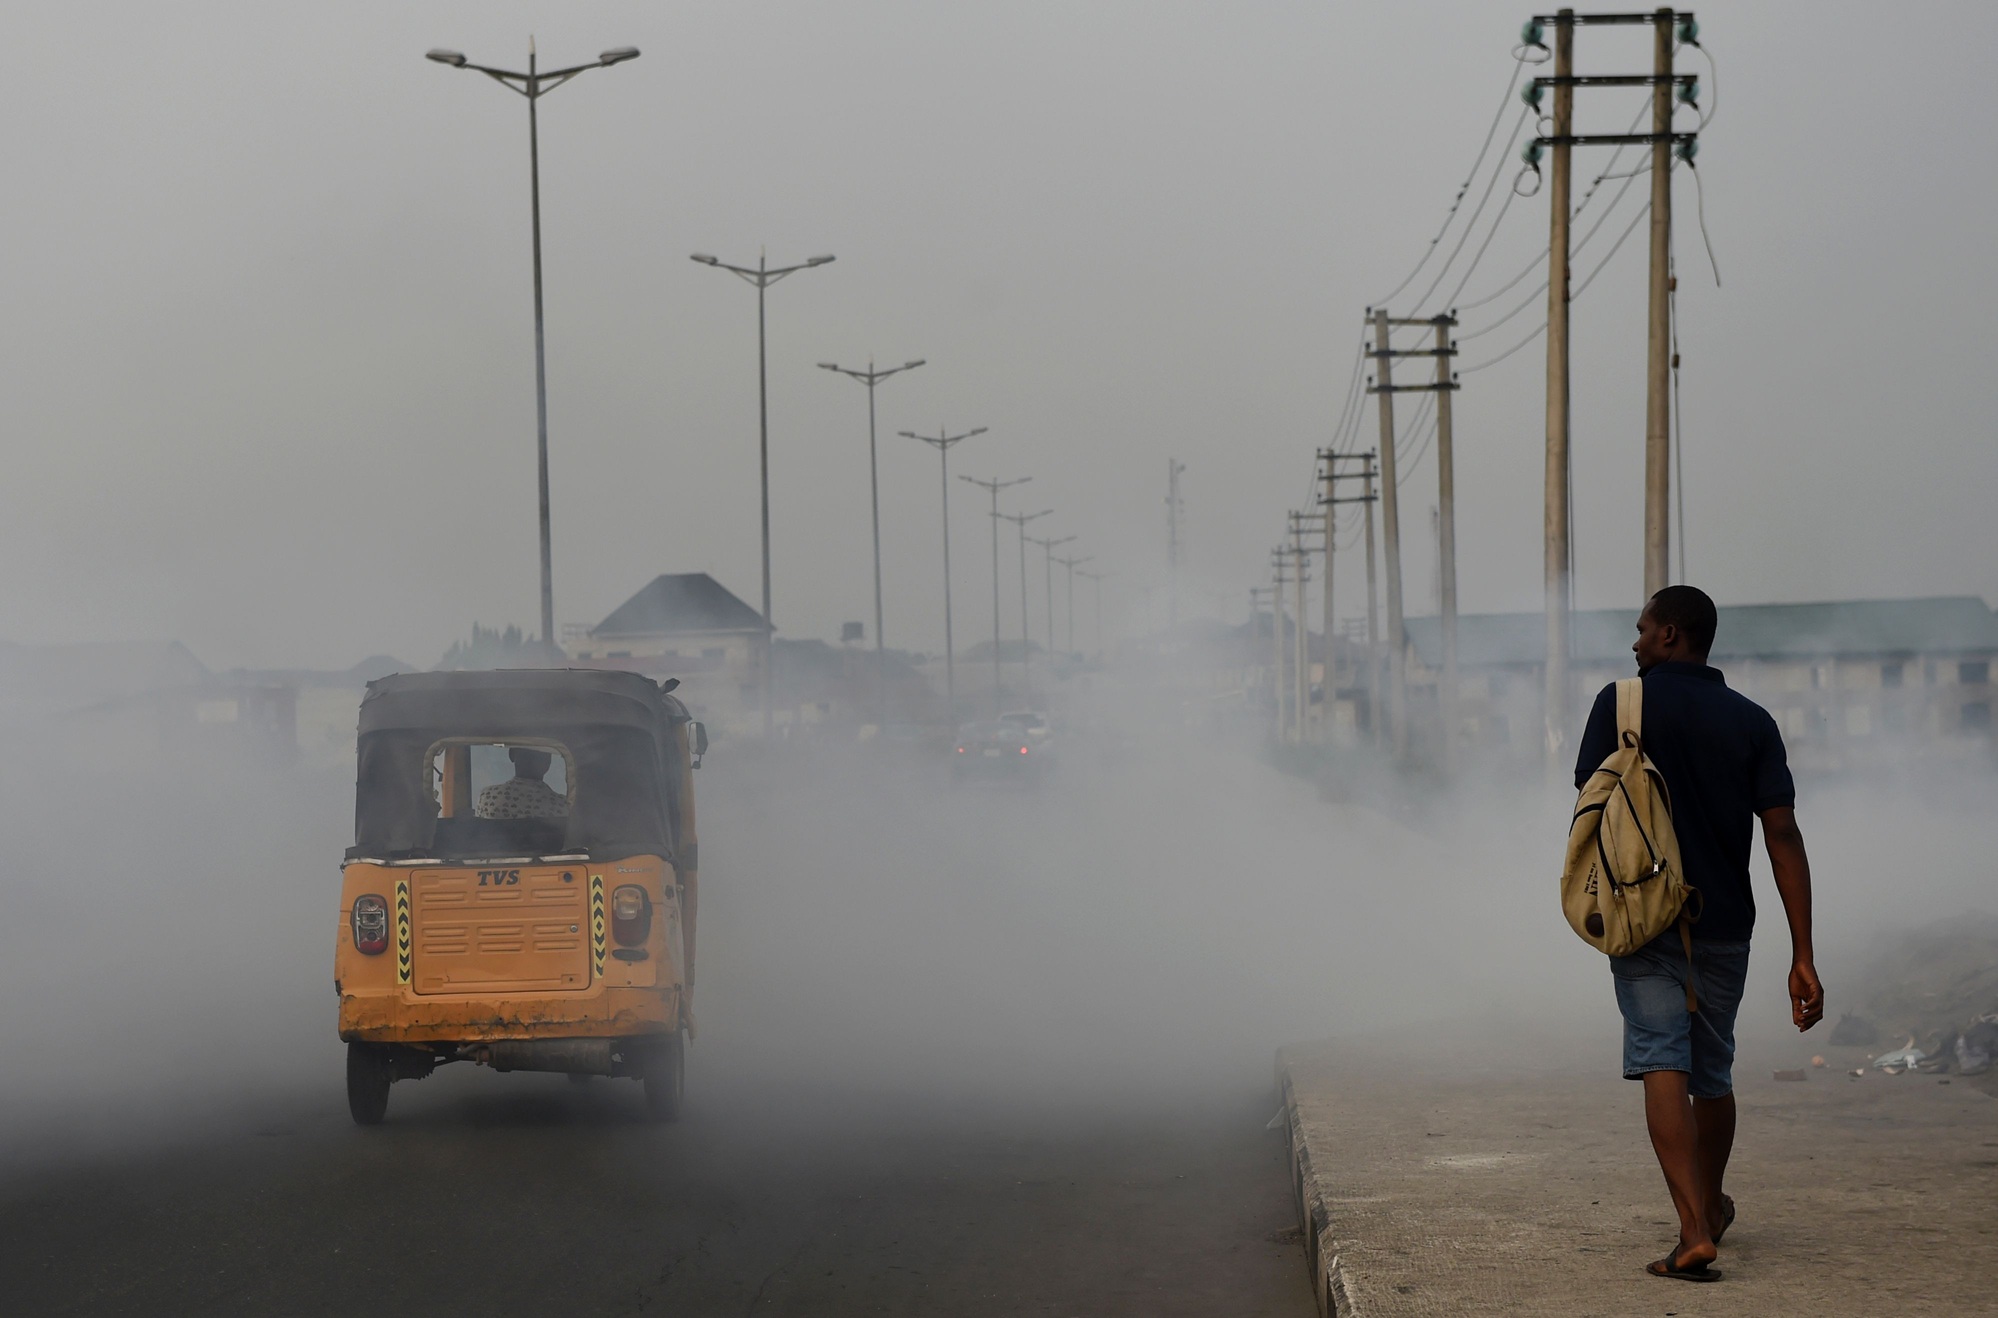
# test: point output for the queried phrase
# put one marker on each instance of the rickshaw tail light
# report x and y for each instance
(631, 914)
(370, 925)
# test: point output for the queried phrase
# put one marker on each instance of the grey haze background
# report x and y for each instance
(267, 353)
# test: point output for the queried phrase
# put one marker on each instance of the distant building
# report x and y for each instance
(681, 624)
(1848, 681)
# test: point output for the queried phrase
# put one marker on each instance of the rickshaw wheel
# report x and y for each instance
(369, 1075)
(665, 1077)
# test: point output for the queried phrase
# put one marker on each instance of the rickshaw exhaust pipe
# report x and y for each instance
(575, 1056)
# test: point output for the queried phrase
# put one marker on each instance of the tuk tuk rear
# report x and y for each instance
(523, 884)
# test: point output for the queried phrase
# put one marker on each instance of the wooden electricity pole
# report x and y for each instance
(1667, 26)
(1445, 384)
(1391, 538)
(1555, 526)
(1330, 502)
(1446, 536)
(1657, 383)
(1301, 560)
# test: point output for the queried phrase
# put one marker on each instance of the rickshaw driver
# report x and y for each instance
(525, 795)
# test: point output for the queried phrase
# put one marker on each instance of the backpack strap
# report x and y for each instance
(1630, 711)
(1686, 941)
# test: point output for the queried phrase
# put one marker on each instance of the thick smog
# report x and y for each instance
(993, 661)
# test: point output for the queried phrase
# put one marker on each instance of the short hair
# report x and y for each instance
(531, 760)
(1692, 611)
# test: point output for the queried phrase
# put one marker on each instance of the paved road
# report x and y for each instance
(506, 1194)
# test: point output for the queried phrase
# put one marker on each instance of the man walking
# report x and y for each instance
(1722, 759)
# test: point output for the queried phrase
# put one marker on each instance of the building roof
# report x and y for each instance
(677, 603)
(1830, 629)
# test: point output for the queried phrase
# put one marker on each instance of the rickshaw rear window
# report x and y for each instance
(501, 798)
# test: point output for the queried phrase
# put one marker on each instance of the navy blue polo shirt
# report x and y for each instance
(1722, 759)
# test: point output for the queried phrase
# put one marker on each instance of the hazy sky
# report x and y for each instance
(267, 340)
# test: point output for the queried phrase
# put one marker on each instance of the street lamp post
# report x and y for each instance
(763, 277)
(1096, 581)
(535, 84)
(995, 485)
(871, 377)
(1047, 549)
(943, 441)
(1020, 521)
(1072, 564)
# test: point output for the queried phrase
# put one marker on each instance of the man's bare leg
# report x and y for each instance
(1714, 1118)
(1675, 1138)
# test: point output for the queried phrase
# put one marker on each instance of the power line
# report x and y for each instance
(1580, 206)
(1518, 62)
(1583, 287)
(1472, 223)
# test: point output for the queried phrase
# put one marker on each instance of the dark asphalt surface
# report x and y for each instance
(489, 1194)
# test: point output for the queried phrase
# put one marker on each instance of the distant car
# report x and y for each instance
(994, 750)
(1032, 723)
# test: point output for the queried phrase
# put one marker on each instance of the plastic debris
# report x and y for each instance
(1789, 1075)
(1901, 1059)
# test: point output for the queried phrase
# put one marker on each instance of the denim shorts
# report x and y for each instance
(1659, 1034)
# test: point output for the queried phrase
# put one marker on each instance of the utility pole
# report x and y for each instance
(761, 277)
(871, 377)
(1657, 428)
(1384, 389)
(1446, 537)
(943, 441)
(1020, 520)
(1048, 561)
(1173, 509)
(1374, 702)
(1256, 594)
(1301, 557)
(1446, 529)
(1072, 564)
(1331, 500)
(1280, 679)
(1658, 374)
(994, 486)
(1555, 525)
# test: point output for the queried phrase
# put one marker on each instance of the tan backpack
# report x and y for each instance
(1622, 885)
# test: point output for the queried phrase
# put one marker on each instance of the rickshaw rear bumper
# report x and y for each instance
(408, 1018)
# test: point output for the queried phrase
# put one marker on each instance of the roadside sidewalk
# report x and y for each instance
(1432, 1184)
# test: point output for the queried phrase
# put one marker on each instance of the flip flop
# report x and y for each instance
(1669, 1267)
(1727, 1217)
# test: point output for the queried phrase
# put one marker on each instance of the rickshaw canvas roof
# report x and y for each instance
(517, 702)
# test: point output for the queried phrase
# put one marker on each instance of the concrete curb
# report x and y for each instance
(1330, 1284)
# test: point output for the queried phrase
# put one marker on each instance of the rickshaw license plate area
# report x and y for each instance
(507, 928)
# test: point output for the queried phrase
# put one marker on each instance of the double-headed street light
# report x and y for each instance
(871, 377)
(1096, 579)
(943, 441)
(1048, 546)
(1020, 520)
(535, 84)
(994, 486)
(762, 276)
(1072, 564)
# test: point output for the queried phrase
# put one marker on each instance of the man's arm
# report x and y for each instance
(1792, 867)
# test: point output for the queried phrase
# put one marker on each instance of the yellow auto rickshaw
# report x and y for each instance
(522, 887)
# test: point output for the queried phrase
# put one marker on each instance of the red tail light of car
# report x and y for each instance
(631, 914)
(370, 925)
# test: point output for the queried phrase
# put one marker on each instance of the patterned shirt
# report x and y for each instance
(522, 798)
